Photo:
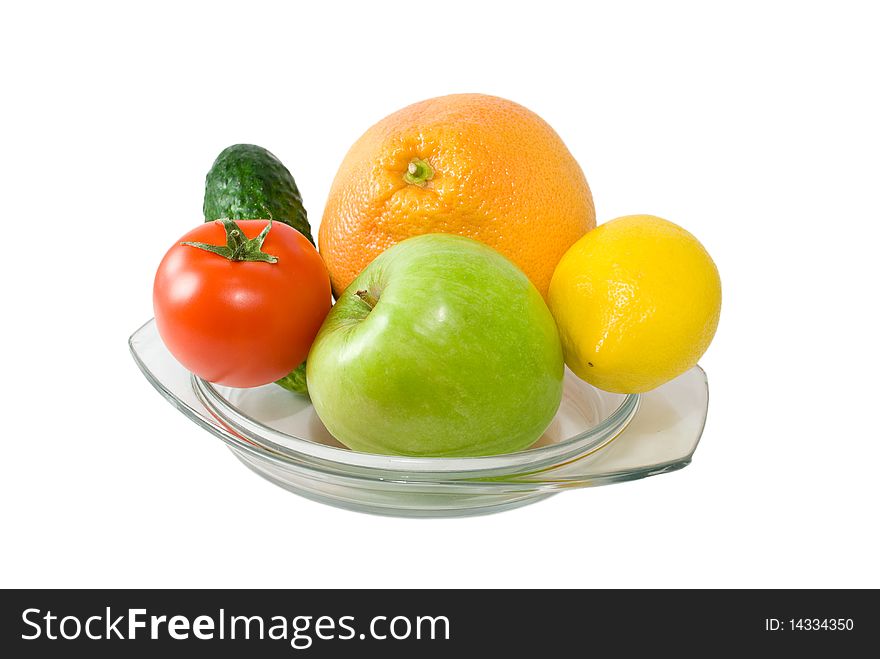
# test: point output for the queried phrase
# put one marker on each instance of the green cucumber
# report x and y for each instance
(295, 381)
(247, 182)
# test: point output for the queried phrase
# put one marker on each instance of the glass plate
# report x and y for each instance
(596, 438)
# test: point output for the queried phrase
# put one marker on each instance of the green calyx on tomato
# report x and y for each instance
(238, 247)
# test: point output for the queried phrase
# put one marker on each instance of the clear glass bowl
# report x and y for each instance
(287, 425)
(596, 438)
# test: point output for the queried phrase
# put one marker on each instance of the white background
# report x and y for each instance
(755, 127)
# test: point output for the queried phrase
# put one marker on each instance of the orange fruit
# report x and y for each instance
(468, 164)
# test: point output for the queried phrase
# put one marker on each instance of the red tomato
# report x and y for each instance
(241, 323)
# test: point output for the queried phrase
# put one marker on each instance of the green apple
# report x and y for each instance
(440, 347)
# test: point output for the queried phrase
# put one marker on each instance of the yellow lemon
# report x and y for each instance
(637, 302)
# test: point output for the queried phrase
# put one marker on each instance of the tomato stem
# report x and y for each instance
(238, 247)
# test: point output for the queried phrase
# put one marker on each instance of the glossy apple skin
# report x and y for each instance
(460, 355)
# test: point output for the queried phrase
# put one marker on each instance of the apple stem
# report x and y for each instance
(368, 297)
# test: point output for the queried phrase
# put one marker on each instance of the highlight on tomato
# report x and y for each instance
(239, 303)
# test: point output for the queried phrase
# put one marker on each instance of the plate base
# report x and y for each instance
(405, 505)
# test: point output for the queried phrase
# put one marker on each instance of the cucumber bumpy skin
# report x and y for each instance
(295, 381)
(247, 182)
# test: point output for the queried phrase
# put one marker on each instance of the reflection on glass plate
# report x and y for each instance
(596, 438)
